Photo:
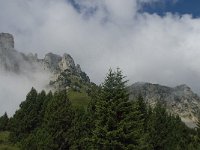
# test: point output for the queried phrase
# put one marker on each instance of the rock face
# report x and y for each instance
(6, 40)
(10, 59)
(67, 62)
(180, 100)
(62, 69)
(51, 62)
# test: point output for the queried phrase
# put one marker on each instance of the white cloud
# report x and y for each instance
(13, 88)
(147, 47)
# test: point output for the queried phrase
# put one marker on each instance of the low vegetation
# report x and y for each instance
(5, 143)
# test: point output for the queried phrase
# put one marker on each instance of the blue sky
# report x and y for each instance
(180, 6)
(160, 7)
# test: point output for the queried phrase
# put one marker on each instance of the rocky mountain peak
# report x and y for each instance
(10, 59)
(51, 61)
(67, 62)
(61, 69)
(6, 40)
(179, 100)
(50, 57)
(183, 87)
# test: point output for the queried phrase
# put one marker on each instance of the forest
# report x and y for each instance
(49, 121)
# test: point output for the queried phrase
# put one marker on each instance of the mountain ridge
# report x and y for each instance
(179, 100)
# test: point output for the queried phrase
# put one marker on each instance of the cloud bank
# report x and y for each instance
(100, 34)
(13, 88)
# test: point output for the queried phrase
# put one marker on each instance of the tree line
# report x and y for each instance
(49, 121)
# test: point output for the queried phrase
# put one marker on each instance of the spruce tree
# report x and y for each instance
(25, 119)
(118, 124)
(4, 120)
(80, 130)
(198, 128)
(142, 107)
(159, 130)
(57, 121)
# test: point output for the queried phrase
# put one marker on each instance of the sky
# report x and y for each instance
(179, 7)
(150, 40)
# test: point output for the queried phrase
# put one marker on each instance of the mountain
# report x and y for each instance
(179, 100)
(63, 73)
(62, 70)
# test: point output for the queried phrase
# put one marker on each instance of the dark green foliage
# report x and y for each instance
(158, 131)
(58, 119)
(4, 120)
(110, 122)
(84, 77)
(40, 139)
(25, 119)
(196, 138)
(53, 115)
(142, 107)
(167, 132)
(80, 130)
(29, 116)
(119, 123)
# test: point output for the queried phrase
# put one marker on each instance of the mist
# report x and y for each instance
(14, 88)
(103, 34)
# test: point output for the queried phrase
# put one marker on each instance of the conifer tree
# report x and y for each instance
(118, 124)
(198, 128)
(197, 138)
(4, 120)
(80, 131)
(159, 131)
(57, 121)
(24, 120)
(143, 110)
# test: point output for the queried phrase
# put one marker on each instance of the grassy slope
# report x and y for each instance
(79, 99)
(4, 143)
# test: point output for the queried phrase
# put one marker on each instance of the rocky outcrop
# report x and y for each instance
(6, 41)
(67, 63)
(180, 100)
(51, 62)
(10, 59)
(14, 61)
(62, 69)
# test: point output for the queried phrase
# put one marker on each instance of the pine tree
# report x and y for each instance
(159, 130)
(4, 120)
(142, 107)
(118, 124)
(80, 131)
(198, 128)
(197, 137)
(141, 121)
(57, 121)
(24, 120)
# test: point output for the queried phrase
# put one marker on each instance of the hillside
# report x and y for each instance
(179, 100)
